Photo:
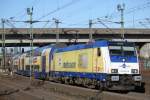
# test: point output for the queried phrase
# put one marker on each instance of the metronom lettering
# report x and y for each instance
(69, 64)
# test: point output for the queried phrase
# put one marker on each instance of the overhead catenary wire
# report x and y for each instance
(142, 24)
(105, 26)
(137, 8)
(105, 20)
(23, 35)
(45, 24)
(129, 10)
(60, 8)
(139, 22)
(10, 24)
(148, 20)
(22, 12)
(13, 26)
(109, 21)
(79, 10)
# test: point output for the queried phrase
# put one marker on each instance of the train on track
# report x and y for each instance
(103, 64)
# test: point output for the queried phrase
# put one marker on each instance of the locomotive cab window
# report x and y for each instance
(122, 50)
(129, 51)
(115, 50)
(98, 52)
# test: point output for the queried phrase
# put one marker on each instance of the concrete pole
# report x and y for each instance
(3, 45)
(30, 13)
(90, 31)
(122, 22)
(57, 33)
(121, 9)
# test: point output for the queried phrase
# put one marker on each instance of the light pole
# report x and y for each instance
(121, 9)
(30, 13)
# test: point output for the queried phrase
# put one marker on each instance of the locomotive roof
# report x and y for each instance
(121, 43)
(95, 44)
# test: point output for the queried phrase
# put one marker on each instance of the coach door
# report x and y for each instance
(22, 63)
(43, 63)
(19, 65)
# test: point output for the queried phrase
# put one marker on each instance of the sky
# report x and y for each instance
(76, 13)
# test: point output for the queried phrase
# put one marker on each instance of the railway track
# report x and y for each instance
(26, 91)
(22, 87)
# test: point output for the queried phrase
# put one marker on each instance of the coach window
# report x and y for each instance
(98, 52)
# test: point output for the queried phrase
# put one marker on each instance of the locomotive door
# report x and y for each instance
(43, 63)
(98, 60)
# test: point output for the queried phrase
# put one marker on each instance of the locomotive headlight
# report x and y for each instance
(134, 71)
(123, 59)
(114, 70)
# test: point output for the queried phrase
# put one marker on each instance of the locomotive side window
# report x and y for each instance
(98, 52)
(83, 60)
